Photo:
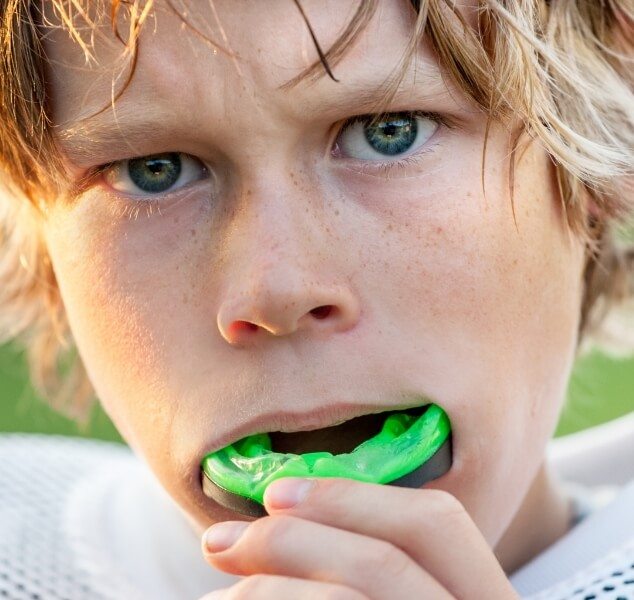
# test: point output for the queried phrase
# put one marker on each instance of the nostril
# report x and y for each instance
(321, 312)
(238, 326)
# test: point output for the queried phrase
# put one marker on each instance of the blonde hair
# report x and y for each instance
(564, 68)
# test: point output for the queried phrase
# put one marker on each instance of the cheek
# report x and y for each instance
(468, 273)
(128, 285)
(493, 305)
(486, 305)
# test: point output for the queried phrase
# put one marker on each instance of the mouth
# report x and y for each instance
(398, 447)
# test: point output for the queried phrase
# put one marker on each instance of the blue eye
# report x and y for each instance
(373, 139)
(393, 136)
(154, 174)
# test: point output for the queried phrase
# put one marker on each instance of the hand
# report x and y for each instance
(339, 538)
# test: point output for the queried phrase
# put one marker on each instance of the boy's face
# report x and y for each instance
(434, 293)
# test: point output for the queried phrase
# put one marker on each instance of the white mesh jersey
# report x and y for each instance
(85, 520)
(41, 551)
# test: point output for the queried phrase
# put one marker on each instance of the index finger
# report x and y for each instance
(431, 526)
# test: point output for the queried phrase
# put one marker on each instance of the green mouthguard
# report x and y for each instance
(404, 443)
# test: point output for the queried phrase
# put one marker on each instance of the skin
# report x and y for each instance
(436, 293)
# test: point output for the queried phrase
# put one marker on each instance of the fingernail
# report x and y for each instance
(287, 492)
(223, 535)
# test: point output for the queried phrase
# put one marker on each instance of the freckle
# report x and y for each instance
(337, 212)
(176, 219)
(185, 299)
(389, 227)
(193, 232)
(438, 229)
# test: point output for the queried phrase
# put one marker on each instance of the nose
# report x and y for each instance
(284, 275)
(279, 303)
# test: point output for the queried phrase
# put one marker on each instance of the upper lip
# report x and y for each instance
(316, 418)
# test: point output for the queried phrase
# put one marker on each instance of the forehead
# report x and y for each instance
(222, 52)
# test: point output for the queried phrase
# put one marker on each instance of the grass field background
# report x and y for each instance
(600, 389)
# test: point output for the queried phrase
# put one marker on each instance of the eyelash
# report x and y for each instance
(386, 168)
(129, 209)
(364, 118)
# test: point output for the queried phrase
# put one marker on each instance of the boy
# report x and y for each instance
(241, 241)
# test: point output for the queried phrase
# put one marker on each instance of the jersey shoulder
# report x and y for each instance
(594, 560)
(43, 479)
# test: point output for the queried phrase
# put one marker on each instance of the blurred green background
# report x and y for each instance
(600, 389)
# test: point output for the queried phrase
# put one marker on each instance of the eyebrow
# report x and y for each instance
(107, 129)
(126, 125)
(363, 96)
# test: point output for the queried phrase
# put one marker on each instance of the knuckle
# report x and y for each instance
(435, 511)
(272, 529)
(443, 505)
(386, 559)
